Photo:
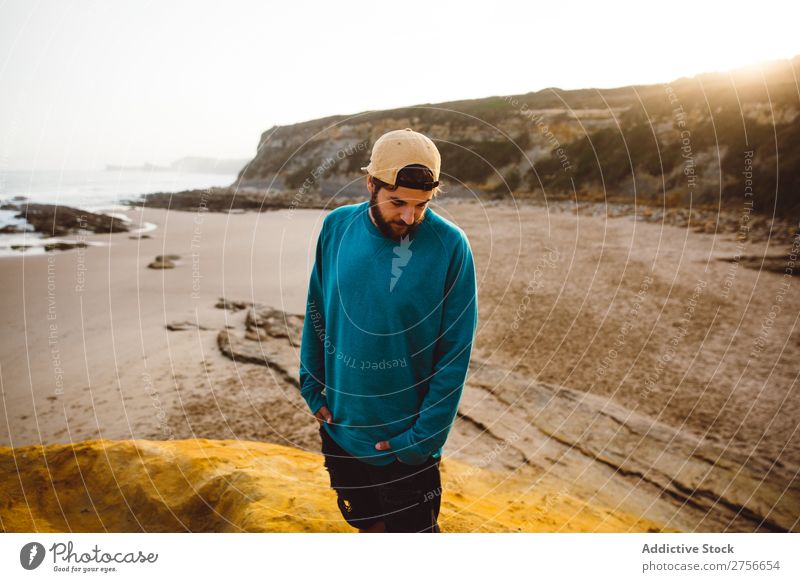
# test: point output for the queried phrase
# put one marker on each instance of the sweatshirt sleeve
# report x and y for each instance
(312, 347)
(451, 361)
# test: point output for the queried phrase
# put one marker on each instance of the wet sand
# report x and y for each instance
(85, 352)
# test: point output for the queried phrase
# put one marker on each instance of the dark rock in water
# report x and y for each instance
(138, 237)
(11, 229)
(19, 198)
(164, 262)
(64, 246)
(186, 326)
(20, 247)
(55, 220)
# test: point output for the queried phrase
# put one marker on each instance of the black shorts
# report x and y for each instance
(405, 497)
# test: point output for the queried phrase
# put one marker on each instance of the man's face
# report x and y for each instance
(398, 213)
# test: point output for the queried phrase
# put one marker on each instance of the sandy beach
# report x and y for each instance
(86, 351)
(614, 313)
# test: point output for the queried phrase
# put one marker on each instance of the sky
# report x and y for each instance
(89, 83)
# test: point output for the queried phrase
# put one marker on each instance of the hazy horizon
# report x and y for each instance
(88, 84)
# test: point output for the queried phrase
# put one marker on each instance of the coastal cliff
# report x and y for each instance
(683, 143)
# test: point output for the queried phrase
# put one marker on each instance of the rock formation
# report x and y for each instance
(201, 485)
(571, 441)
(55, 220)
(164, 262)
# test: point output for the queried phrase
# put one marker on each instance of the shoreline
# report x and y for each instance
(744, 226)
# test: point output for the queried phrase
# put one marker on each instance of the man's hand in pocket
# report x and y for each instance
(323, 415)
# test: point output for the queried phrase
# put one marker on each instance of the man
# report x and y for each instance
(390, 320)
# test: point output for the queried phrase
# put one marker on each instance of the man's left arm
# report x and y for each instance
(450, 363)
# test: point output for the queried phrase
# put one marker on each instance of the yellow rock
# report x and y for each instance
(202, 485)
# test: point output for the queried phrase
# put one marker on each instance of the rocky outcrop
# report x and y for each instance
(271, 338)
(725, 224)
(64, 246)
(605, 451)
(577, 443)
(55, 220)
(201, 485)
(186, 326)
(264, 322)
(235, 198)
(232, 305)
(164, 262)
(694, 141)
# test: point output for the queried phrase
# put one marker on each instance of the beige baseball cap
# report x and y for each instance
(397, 149)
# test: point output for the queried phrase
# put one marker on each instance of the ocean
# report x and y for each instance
(96, 191)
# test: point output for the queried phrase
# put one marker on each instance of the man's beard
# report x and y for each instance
(385, 226)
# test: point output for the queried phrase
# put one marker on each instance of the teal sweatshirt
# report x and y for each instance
(388, 334)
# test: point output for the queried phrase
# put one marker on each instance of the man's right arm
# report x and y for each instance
(312, 349)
